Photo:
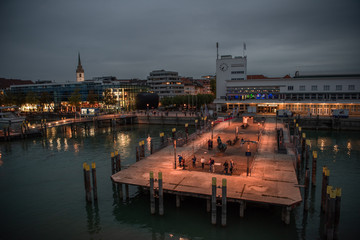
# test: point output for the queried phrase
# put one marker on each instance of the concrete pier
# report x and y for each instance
(272, 178)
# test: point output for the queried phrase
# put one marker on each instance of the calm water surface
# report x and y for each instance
(42, 192)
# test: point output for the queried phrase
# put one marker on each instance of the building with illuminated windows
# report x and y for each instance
(315, 94)
(165, 83)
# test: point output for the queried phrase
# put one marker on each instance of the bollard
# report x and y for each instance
(137, 154)
(223, 207)
(337, 213)
(127, 191)
(242, 208)
(306, 190)
(331, 215)
(213, 201)
(93, 171)
(152, 197)
(113, 168)
(325, 182)
(161, 194)
(87, 182)
(313, 176)
(287, 215)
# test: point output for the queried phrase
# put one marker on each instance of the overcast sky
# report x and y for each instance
(40, 39)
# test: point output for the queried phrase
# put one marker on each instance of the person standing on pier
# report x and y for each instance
(194, 161)
(180, 160)
(231, 166)
(226, 167)
(202, 162)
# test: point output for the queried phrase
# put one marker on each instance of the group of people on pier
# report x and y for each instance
(228, 165)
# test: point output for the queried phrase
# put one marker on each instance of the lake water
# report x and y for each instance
(42, 192)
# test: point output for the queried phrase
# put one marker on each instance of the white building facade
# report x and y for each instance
(228, 69)
(165, 83)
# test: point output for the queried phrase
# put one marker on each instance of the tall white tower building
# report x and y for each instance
(228, 70)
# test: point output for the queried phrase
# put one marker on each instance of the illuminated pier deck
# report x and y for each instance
(273, 178)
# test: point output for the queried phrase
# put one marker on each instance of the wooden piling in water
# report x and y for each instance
(337, 213)
(117, 161)
(137, 153)
(325, 182)
(213, 201)
(162, 138)
(113, 166)
(329, 232)
(208, 205)
(313, 175)
(287, 215)
(94, 182)
(307, 150)
(87, 182)
(223, 206)
(242, 208)
(161, 194)
(127, 191)
(152, 197)
(306, 189)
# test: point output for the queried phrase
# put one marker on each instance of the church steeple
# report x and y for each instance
(79, 71)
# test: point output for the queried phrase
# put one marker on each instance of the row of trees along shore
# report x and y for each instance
(190, 100)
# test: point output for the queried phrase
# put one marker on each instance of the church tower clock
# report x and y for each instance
(79, 72)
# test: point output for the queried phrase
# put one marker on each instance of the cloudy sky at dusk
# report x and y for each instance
(40, 39)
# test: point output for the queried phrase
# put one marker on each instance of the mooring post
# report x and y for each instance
(161, 194)
(208, 205)
(327, 198)
(162, 138)
(337, 213)
(152, 197)
(331, 215)
(223, 206)
(303, 141)
(325, 182)
(187, 131)
(178, 200)
(213, 201)
(93, 171)
(242, 208)
(307, 149)
(151, 146)
(127, 191)
(87, 182)
(306, 190)
(313, 175)
(137, 154)
(113, 169)
(196, 123)
(117, 161)
(287, 215)
(142, 149)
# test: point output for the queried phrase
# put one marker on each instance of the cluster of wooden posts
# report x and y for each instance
(330, 198)
(87, 182)
(330, 206)
(116, 167)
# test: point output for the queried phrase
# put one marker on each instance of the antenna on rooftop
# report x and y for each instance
(217, 50)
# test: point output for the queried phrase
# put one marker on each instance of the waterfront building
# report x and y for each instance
(79, 71)
(315, 94)
(59, 93)
(165, 83)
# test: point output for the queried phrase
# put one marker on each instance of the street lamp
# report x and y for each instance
(174, 153)
(212, 130)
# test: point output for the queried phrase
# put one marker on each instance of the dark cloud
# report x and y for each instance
(128, 39)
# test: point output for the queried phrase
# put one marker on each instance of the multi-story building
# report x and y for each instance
(165, 83)
(316, 95)
(228, 68)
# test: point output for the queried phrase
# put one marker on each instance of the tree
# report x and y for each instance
(92, 97)
(109, 98)
(75, 99)
(45, 100)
